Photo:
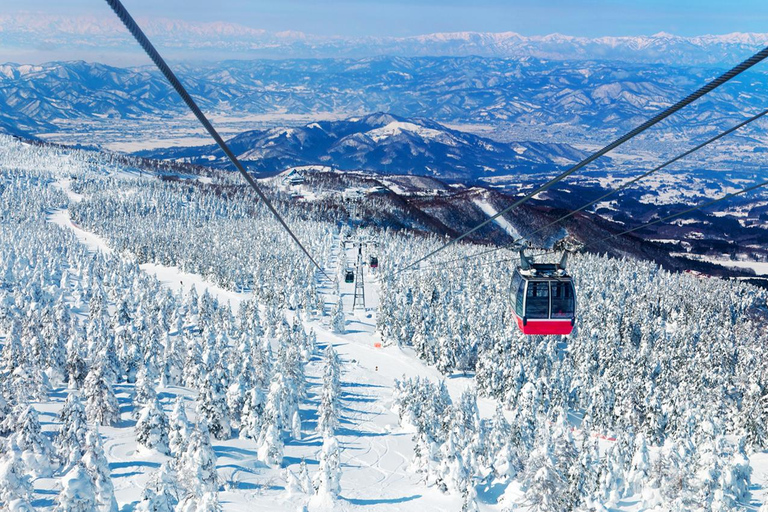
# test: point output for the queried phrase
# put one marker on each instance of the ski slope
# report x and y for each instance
(376, 451)
(503, 223)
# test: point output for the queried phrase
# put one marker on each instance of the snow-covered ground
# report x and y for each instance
(760, 267)
(376, 451)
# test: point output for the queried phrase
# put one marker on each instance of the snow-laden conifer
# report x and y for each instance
(77, 493)
(328, 473)
(161, 493)
(97, 466)
(179, 428)
(15, 483)
(212, 405)
(70, 441)
(338, 319)
(152, 428)
(101, 403)
(36, 449)
(197, 464)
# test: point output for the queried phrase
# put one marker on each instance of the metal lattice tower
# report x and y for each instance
(359, 283)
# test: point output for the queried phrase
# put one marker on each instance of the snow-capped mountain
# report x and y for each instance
(89, 32)
(382, 143)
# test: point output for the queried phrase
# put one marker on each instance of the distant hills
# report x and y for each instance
(563, 98)
(381, 143)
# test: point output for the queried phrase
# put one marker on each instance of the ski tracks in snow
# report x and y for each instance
(376, 451)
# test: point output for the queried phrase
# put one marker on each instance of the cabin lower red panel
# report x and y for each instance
(545, 327)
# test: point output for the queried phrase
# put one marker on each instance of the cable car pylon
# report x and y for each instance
(359, 283)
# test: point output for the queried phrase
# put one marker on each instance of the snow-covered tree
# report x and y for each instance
(179, 428)
(15, 485)
(95, 463)
(35, 447)
(161, 493)
(236, 398)
(70, 441)
(640, 466)
(734, 484)
(328, 412)
(452, 475)
(252, 416)
(271, 445)
(77, 493)
(75, 367)
(212, 405)
(545, 487)
(501, 445)
(145, 389)
(328, 473)
(338, 319)
(197, 464)
(207, 502)
(152, 428)
(304, 479)
(101, 403)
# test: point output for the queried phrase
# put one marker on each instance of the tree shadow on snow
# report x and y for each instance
(311, 439)
(125, 423)
(289, 461)
(130, 464)
(342, 431)
(461, 375)
(59, 393)
(356, 397)
(234, 452)
(491, 493)
(381, 501)
(126, 475)
(45, 502)
(346, 384)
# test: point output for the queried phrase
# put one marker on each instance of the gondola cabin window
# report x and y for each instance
(562, 300)
(518, 295)
(537, 299)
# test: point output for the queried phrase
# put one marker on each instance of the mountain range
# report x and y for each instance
(567, 100)
(382, 143)
(91, 33)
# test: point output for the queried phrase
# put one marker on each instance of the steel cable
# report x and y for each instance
(709, 87)
(153, 54)
(613, 191)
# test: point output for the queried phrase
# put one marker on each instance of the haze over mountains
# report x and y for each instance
(227, 40)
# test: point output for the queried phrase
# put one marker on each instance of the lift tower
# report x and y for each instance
(359, 300)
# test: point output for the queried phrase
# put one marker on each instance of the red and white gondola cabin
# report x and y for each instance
(543, 298)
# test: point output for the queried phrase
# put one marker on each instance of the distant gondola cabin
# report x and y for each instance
(349, 277)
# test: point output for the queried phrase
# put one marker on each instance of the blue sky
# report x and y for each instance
(409, 17)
